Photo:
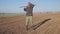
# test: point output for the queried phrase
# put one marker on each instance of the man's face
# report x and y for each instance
(28, 4)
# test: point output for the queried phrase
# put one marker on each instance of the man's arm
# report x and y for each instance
(30, 5)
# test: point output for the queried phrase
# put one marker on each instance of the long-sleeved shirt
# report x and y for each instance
(29, 10)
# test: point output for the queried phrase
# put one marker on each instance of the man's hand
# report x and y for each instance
(25, 9)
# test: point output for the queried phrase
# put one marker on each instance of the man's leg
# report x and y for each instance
(31, 21)
(27, 19)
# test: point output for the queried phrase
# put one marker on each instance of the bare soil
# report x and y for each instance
(16, 24)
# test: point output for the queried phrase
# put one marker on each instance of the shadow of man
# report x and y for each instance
(40, 23)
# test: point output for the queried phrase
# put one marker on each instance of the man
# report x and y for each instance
(29, 14)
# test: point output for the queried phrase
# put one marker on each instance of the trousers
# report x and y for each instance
(29, 19)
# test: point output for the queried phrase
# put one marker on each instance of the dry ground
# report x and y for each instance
(16, 24)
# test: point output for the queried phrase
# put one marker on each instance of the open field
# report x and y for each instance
(16, 24)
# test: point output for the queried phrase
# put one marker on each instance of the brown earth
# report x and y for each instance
(16, 24)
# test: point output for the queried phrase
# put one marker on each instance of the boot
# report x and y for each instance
(27, 27)
(33, 27)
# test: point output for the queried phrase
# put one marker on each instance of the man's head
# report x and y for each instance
(30, 4)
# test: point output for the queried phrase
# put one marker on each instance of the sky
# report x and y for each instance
(12, 6)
